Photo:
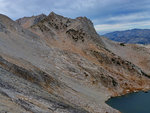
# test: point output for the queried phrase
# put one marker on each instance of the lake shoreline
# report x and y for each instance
(147, 91)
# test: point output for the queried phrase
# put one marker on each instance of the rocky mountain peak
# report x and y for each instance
(7, 24)
(57, 21)
(78, 29)
(5, 20)
(27, 22)
(53, 14)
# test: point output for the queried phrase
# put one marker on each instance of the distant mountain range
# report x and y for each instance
(135, 36)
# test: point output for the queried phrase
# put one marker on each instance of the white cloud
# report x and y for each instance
(130, 17)
(3, 6)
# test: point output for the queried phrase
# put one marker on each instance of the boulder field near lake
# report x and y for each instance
(54, 64)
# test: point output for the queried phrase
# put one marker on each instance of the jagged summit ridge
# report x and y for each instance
(80, 29)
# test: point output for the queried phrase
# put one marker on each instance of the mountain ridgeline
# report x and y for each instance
(55, 64)
(134, 36)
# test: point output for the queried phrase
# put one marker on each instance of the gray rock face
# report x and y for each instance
(2, 28)
(61, 65)
(11, 75)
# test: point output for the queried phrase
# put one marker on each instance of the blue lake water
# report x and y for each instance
(131, 103)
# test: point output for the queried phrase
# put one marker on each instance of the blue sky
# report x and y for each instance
(107, 15)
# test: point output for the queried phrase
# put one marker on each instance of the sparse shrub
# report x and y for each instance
(122, 44)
